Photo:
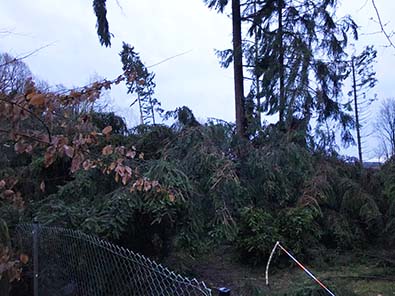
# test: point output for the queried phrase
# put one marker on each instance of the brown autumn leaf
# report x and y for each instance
(107, 150)
(147, 186)
(120, 170)
(29, 148)
(42, 186)
(107, 130)
(125, 179)
(19, 147)
(76, 163)
(128, 170)
(112, 166)
(37, 100)
(138, 184)
(2, 184)
(8, 193)
(24, 258)
(49, 158)
(75, 94)
(87, 164)
(69, 151)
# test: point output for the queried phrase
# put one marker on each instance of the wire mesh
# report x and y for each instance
(72, 263)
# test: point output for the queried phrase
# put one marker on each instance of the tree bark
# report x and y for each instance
(241, 120)
(141, 110)
(258, 98)
(358, 127)
(282, 102)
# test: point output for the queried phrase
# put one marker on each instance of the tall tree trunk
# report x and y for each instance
(241, 120)
(141, 109)
(282, 102)
(358, 127)
(152, 111)
(258, 98)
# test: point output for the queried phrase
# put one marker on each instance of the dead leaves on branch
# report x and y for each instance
(107, 150)
(36, 100)
(107, 130)
(9, 194)
(21, 147)
(145, 185)
(19, 112)
(32, 118)
(11, 268)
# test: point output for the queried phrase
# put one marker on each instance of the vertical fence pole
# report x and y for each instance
(35, 256)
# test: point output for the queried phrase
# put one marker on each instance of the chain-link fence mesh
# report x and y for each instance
(71, 263)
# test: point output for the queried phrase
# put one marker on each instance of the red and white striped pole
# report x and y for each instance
(299, 264)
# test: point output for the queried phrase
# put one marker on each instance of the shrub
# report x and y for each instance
(257, 235)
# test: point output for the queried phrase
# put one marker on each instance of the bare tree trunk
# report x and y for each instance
(141, 109)
(241, 120)
(152, 111)
(282, 102)
(258, 98)
(358, 127)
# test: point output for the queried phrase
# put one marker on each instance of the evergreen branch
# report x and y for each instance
(103, 32)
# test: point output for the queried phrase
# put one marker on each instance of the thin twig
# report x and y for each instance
(120, 7)
(170, 58)
(27, 55)
(34, 116)
(22, 134)
(382, 26)
(371, 33)
(363, 6)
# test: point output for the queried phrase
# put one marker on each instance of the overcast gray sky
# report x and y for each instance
(158, 29)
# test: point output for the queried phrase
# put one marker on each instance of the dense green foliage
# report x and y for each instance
(190, 186)
(296, 53)
(221, 189)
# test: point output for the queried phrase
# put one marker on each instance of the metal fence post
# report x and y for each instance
(35, 256)
(223, 291)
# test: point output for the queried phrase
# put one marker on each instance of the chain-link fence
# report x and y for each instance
(70, 263)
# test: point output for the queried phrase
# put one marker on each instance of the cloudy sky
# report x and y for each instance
(158, 29)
